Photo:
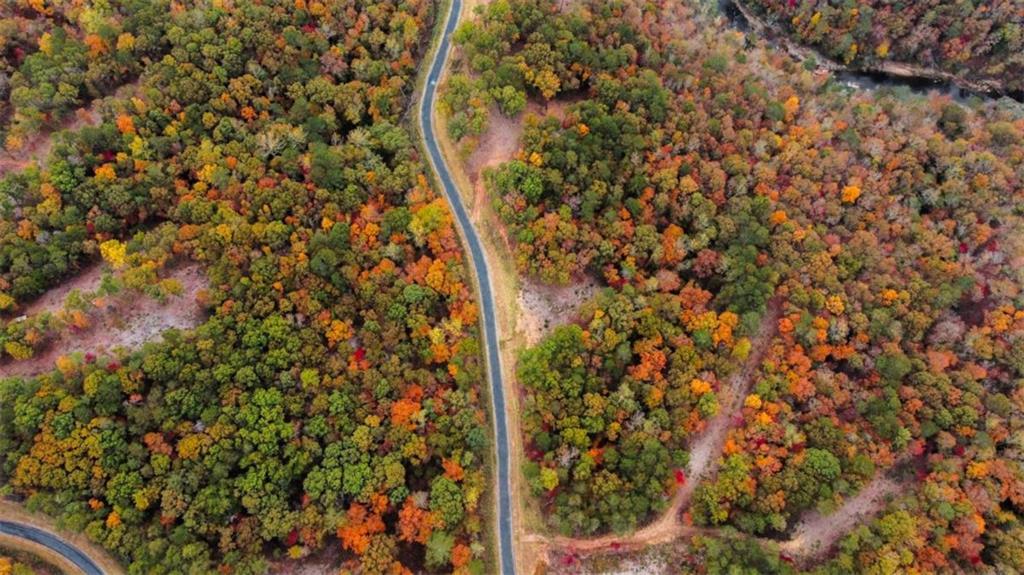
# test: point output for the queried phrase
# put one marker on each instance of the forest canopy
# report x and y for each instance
(829, 278)
(846, 261)
(330, 399)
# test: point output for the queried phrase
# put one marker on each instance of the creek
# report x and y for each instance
(867, 80)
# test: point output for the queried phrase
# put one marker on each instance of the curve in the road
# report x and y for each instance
(52, 542)
(488, 317)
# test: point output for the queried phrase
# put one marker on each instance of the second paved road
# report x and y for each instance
(54, 543)
(488, 318)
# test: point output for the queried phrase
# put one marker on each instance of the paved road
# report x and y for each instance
(54, 543)
(488, 317)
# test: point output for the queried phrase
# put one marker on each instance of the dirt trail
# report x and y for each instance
(816, 534)
(126, 320)
(704, 456)
(706, 451)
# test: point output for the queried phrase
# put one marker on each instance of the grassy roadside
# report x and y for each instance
(13, 512)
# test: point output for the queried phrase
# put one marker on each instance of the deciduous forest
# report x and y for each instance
(811, 290)
(710, 185)
(331, 398)
(58, 56)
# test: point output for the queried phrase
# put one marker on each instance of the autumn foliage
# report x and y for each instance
(714, 177)
(331, 396)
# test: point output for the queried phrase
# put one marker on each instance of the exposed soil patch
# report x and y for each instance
(654, 562)
(324, 561)
(87, 281)
(558, 108)
(543, 308)
(36, 148)
(126, 320)
(540, 307)
(495, 147)
(500, 143)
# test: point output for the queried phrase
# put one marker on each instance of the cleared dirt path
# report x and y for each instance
(816, 534)
(86, 281)
(705, 454)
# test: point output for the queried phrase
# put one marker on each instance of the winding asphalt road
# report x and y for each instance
(54, 543)
(483, 276)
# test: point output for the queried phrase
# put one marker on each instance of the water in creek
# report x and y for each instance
(871, 81)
